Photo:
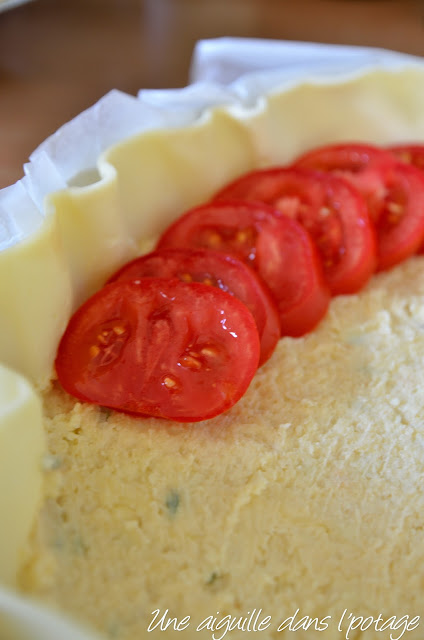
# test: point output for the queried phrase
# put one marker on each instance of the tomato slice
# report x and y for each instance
(278, 248)
(412, 154)
(332, 211)
(160, 347)
(218, 270)
(394, 193)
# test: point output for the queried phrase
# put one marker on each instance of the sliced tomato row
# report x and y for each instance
(392, 190)
(180, 332)
(334, 214)
(276, 247)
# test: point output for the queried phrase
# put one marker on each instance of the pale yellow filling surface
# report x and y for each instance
(307, 494)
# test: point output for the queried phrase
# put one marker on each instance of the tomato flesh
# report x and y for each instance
(332, 211)
(393, 191)
(278, 248)
(218, 270)
(160, 347)
(412, 154)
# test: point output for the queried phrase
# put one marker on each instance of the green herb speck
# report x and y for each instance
(212, 578)
(173, 502)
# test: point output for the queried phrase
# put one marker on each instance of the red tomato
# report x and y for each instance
(160, 347)
(410, 154)
(219, 270)
(278, 248)
(332, 211)
(394, 193)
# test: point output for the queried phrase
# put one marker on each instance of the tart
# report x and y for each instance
(300, 509)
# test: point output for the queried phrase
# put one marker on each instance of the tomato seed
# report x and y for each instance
(119, 330)
(214, 239)
(241, 237)
(191, 362)
(395, 210)
(94, 351)
(209, 351)
(169, 383)
(324, 212)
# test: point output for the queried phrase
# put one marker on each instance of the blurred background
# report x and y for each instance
(57, 57)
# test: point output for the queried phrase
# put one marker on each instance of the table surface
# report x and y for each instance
(57, 57)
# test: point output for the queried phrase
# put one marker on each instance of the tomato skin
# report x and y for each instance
(159, 347)
(278, 248)
(394, 193)
(329, 208)
(216, 269)
(353, 157)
